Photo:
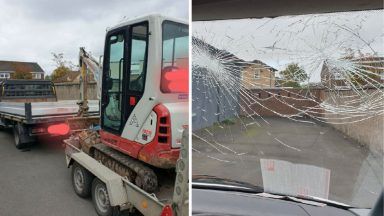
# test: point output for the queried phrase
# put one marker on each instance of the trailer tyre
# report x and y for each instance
(100, 199)
(81, 180)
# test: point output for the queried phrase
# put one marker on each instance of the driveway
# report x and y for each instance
(234, 150)
(36, 181)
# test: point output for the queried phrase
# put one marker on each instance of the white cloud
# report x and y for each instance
(32, 30)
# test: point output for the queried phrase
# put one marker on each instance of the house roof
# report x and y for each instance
(230, 58)
(15, 65)
(372, 63)
(262, 64)
(224, 54)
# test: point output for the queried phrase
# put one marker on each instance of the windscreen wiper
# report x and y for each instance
(215, 183)
(306, 199)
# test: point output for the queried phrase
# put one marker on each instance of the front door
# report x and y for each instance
(124, 74)
(113, 76)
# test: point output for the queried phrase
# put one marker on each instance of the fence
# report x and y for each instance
(281, 102)
(71, 91)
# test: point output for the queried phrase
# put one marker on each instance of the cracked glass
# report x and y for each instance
(293, 104)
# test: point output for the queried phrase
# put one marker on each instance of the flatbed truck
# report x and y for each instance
(31, 109)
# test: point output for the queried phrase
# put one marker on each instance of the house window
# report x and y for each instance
(37, 76)
(5, 75)
(256, 74)
(338, 75)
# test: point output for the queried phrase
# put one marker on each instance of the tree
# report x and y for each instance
(293, 75)
(63, 67)
(59, 73)
(21, 75)
(47, 77)
(21, 71)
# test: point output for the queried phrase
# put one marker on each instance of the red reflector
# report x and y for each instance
(132, 101)
(167, 211)
(58, 129)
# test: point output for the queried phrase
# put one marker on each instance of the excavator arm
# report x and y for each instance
(87, 65)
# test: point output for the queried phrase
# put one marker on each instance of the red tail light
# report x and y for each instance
(58, 129)
(167, 211)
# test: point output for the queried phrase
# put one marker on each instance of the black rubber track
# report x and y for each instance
(147, 176)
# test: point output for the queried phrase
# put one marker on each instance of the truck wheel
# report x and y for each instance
(21, 136)
(16, 135)
(81, 180)
(100, 199)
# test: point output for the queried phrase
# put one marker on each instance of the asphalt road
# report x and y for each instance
(37, 181)
(233, 152)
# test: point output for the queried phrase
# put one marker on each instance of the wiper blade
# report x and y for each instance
(326, 201)
(218, 185)
(310, 200)
(226, 187)
(214, 179)
(212, 182)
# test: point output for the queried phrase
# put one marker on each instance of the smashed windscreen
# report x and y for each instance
(293, 103)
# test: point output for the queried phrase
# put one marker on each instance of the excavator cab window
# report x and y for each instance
(138, 58)
(174, 74)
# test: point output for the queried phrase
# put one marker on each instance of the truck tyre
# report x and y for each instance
(100, 199)
(81, 180)
(21, 136)
(19, 144)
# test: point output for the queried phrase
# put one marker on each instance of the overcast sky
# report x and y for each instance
(306, 39)
(32, 30)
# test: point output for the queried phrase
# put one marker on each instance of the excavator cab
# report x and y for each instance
(144, 97)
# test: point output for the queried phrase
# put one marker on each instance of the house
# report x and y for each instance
(333, 78)
(374, 65)
(370, 69)
(256, 74)
(7, 68)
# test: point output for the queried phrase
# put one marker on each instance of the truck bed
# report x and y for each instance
(36, 112)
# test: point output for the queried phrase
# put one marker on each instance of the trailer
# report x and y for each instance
(112, 193)
(133, 159)
(31, 109)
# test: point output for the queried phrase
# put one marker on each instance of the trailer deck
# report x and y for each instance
(43, 112)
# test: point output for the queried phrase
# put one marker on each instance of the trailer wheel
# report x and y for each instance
(81, 180)
(100, 199)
